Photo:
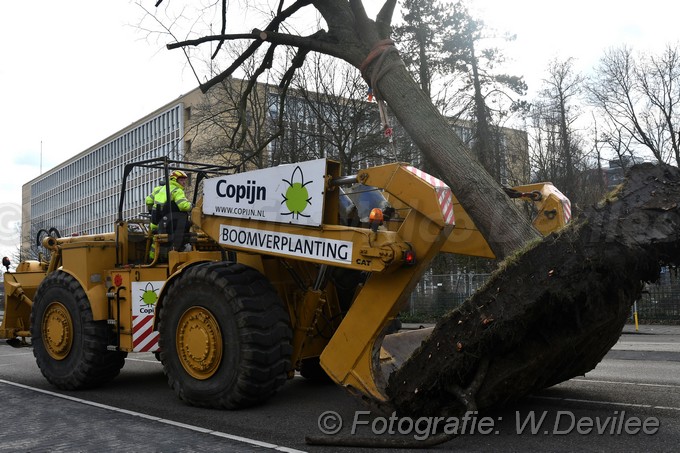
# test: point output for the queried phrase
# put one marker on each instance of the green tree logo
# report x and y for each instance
(149, 296)
(296, 197)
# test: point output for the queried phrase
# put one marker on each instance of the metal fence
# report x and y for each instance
(436, 295)
(660, 301)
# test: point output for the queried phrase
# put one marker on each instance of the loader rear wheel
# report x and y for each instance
(69, 346)
(224, 336)
(57, 331)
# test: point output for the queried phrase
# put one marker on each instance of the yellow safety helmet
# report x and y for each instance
(177, 174)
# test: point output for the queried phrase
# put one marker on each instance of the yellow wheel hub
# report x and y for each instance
(199, 342)
(57, 331)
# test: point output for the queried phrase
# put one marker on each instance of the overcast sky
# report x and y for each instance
(72, 73)
(582, 29)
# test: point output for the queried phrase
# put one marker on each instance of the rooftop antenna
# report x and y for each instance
(41, 157)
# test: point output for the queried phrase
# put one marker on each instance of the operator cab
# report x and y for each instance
(174, 228)
(359, 200)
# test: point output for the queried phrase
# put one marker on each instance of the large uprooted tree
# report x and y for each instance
(364, 42)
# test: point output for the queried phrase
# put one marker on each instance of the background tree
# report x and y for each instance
(558, 148)
(639, 98)
(419, 39)
(327, 114)
(361, 41)
(228, 125)
(231, 126)
(324, 113)
(445, 46)
(464, 50)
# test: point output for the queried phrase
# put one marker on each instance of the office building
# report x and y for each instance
(80, 196)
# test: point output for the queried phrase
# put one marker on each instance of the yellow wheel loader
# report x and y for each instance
(275, 270)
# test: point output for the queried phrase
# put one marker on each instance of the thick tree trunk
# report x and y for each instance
(554, 311)
(500, 221)
(484, 143)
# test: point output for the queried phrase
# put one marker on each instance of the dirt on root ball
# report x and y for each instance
(552, 311)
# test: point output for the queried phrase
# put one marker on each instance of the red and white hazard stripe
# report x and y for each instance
(566, 204)
(446, 204)
(443, 191)
(144, 338)
(567, 209)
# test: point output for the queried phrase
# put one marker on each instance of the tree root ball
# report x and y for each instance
(552, 311)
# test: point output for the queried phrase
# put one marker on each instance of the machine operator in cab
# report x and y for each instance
(159, 207)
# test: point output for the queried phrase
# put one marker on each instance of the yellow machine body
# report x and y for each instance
(340, 326)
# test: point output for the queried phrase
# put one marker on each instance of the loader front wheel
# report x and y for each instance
(70, 347)
(224, 336)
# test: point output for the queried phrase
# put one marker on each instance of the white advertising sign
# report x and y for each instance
(144, 296)
(296, 245)
(291, 193)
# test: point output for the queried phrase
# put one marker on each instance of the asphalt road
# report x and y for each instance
(632, 398)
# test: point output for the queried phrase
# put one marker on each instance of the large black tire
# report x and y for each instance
(69, 346)
(225, 337)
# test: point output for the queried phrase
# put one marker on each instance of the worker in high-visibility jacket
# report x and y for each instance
(158, 205)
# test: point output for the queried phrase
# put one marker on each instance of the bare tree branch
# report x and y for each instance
(351, 36)
(224, 28)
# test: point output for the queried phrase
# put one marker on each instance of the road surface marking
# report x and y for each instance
(613, 403)
(144, 360)
(604, 403)
(158, 419)
(646, 347)
(627, 383)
